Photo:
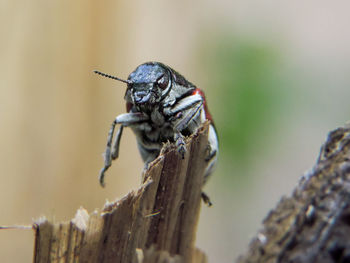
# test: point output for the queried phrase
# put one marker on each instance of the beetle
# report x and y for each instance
(161, 106)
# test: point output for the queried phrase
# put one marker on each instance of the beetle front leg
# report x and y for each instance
(107, 155)
(184, 111)
(183, 104)
(125, 119)
(115, 150)
(182, 124)
(180, 144)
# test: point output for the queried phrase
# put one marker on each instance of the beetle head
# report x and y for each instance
(153, 83)
(148, 84)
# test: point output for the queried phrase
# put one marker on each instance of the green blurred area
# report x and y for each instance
(249, 93)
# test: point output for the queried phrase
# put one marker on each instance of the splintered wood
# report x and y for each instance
(155, 223)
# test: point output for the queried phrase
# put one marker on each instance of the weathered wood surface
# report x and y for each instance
(155, 223)
(313, 225)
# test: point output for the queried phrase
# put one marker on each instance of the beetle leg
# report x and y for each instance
(180, 144)
(213, 151)
(183, 123)
(206, 199)
(191, 114)
(211, 154)
(125, 119)
(116, 143)
(183, 104)
(177, 112)
(131, 118)
(107, 155)
(211, 160)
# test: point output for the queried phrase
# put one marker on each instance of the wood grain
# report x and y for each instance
(155, 223)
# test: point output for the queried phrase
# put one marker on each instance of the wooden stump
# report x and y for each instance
(155, 223)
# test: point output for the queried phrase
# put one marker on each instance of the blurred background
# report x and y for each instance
(276, 76)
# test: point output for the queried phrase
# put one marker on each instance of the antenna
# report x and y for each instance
(112, 77)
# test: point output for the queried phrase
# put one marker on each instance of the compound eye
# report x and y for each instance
(163, 82)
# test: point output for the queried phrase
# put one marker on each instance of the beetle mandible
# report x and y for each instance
(161, 106)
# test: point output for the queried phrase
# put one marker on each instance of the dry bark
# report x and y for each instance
(313, 225)
(156, 223)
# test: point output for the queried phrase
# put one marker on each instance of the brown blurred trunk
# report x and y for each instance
(156, 223)
(313, 225)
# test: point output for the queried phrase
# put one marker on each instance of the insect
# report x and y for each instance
(161, 106)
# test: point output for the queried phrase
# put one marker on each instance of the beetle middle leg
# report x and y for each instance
(210, 154)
